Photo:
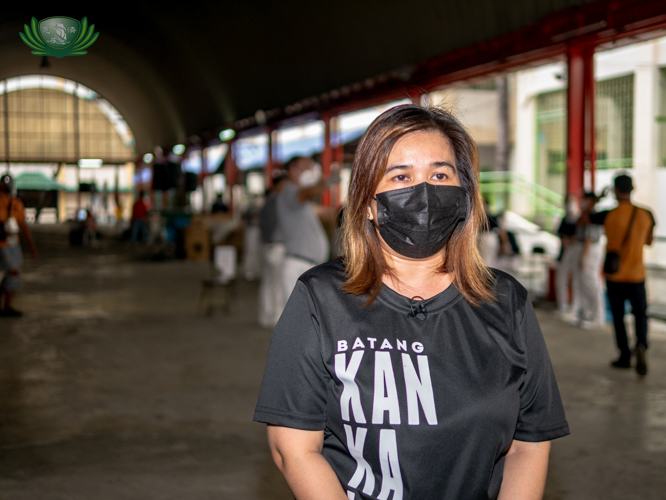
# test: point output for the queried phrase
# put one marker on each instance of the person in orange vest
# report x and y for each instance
(628, 229)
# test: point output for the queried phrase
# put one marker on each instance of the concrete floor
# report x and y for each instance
(114, 387)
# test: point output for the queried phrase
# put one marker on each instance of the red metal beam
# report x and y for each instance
(576, 121)
(202, 176)
(230, 168)
(581, 155)
(339, 148)
(590, 133)
(595, 23)
(326, 156)
(270, 166)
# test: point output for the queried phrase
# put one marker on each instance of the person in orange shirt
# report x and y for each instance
(628, 229)
(12, 220)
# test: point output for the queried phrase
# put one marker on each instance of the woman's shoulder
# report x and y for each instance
(507, 288)
(328, 273)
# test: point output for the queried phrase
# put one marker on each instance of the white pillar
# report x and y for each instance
(646, 108)
(525, 142)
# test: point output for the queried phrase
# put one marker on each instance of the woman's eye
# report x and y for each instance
(401, 178)
(441, 177)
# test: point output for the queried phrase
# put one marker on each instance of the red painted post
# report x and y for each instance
(202, 178)
(326, 157)
(576, 121)
(338, 158)
(590, 133)
(270, 166)
(230, 169)
(274, 150)
(231, 173)
(339, 152)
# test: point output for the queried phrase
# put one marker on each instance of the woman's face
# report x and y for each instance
(417, 157)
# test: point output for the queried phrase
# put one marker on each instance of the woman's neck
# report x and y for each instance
(417, 277)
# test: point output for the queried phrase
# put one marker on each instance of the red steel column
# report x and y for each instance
(338, 158)
(590, 146)
(270, 165)
(576, 121)
(339, 152)
(326, 157)
(202, 177)
(230, 169)
(231, 173)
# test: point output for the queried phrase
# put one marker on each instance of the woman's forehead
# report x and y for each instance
(421, 144)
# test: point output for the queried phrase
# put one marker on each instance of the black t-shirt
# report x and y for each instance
(416, 409)
(567, 228)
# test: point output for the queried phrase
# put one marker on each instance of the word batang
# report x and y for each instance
(385, 403)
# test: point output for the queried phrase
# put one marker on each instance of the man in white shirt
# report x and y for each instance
(304, 237)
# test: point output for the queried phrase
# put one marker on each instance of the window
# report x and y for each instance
(614, 123)
(41, 118)
(551, 149)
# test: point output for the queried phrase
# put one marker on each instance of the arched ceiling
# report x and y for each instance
(174, 70)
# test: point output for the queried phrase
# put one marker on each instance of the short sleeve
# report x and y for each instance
(294, 388)
(541, 415)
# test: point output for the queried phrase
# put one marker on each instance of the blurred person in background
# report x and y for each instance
(119, 208)
(271, 295)
(568, 261)
(498, 246)
(306, 242)
(408, 369)
(252, 246)
(12, 221)
(89, 227)
(139, 223)
(219, 207)
(628, 229)
(590, 287)
(588, 305)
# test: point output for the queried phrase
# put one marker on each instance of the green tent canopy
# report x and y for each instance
(36, 181)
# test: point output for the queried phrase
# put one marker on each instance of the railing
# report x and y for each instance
(614, 163)
(541, 200)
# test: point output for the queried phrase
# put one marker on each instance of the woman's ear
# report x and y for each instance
(370, 217)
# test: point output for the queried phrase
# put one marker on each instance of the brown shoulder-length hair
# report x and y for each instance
(364, 259)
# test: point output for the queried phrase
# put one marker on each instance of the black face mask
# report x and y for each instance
(417, 221)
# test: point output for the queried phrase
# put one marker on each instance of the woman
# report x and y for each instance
(409, 370)
(568, 261)
(588, 287)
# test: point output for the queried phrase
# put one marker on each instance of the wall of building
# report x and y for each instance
(645, 61)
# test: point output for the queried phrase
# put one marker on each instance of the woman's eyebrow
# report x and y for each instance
(443, 164)
(397, 167)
